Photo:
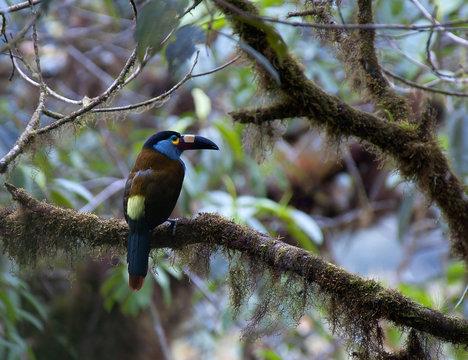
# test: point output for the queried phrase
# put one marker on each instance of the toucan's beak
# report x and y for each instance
(193, 142)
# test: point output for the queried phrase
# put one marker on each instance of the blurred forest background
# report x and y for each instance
(334, 198)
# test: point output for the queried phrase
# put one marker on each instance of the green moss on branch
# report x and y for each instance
(37, 230)
(416, 153)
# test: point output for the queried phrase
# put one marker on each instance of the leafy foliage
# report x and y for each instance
(19, 309)
(155, 22)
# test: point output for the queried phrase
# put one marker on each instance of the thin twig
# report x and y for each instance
(19, 6)
(116, 85)
(160, 332)
(191, 7)
(134, 9)
(111, 148)
(155, 100)
(422, 87)
(49, 90)
(27, 137)
(428, 16)
(36, 49)
(218, 68)
(12, 43)
(437, 27)
(105, 194)
(363, 200)
(164, 96)
(441, 76)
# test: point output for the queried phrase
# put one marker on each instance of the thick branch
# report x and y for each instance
(37, 228)
(376, 83)
(281, 110)
(416, 156)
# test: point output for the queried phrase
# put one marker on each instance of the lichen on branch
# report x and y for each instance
(415, 152)
(355, 306)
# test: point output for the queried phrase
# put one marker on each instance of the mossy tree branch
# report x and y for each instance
(378, 87)
(37, 229)
(417, 156)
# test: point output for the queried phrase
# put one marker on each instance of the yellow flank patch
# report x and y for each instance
(136, 207)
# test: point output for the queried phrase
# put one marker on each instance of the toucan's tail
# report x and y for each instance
(138, 248)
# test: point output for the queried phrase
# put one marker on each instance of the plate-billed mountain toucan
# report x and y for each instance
(151, 192)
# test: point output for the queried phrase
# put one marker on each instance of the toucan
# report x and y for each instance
(151, 192)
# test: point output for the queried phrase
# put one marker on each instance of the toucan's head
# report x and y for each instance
(172, 144)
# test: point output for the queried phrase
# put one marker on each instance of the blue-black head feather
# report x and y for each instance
(162, 135)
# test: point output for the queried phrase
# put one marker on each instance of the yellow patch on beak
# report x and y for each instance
(136, 207)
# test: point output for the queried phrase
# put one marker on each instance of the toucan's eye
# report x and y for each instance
(174, 139)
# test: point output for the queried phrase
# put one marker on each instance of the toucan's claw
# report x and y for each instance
(174, 225)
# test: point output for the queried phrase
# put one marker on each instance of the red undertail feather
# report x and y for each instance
(136, 282)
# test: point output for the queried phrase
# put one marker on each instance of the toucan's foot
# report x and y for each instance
(174, 225)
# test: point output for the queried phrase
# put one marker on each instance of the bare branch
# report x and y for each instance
(30, 133)
(115, 86)
(49, 90)
(423, 87)
(155, 101)
(27, 137)
(221, 67)
(428, 16)
(19, 6)
(12, 43)
(437, 27)
(105, 194)
(160, 99)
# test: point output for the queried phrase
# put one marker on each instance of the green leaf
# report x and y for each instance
(274, 39)
(268, 355)
(163, 280)
(455, 272)
(22, 314)
(34, 303)
(307, 224)
(75, 188)
(9, 307)
(60, 197)
(416, 293)
(155, 22)
(37, 175)
(183, 46)
(262, 60)
(202, 104)
(233, 139)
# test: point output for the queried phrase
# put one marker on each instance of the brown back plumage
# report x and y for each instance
(157, 178)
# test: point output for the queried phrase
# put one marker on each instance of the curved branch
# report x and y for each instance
(429, 17)
(417, 156)
(66, 228)
(422, 87)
